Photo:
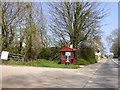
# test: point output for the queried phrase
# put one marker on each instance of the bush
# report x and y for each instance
(82, 62)
(50, 53)
(87, 53)
(55, 53)
(45, 53)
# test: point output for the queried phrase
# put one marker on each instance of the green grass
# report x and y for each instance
(41, 63)
(84, 62)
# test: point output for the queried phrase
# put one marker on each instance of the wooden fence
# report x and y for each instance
(17, 57)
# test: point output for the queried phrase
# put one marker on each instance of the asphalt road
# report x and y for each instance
(106, 76)
(100, 75)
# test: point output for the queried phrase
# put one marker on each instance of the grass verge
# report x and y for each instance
(40, 63)
(84, 62)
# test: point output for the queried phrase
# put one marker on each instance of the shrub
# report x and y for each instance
(87, 53)
(50, 53)
(55, 53)
(82, 62)
(45, 53)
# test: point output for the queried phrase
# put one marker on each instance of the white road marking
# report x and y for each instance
(115, 61)
(90, 81)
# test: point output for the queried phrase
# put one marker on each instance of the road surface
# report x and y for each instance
(106, 75)
(103, 74)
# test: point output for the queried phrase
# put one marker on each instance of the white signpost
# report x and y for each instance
(71, 46)
(67, 54)
(4, 55)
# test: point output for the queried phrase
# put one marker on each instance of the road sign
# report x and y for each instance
(67, 53)
(4, 55)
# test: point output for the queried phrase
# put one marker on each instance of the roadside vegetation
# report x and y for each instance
(41, 63)
(26, 30)
(114, 43)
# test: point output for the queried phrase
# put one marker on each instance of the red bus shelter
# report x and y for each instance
(72, 56)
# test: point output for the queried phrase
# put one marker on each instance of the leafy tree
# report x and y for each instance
(32, 39)
(87, 52)
(23, 23)
(113, 41)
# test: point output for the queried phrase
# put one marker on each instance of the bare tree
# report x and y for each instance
(75, 21)
(10, 17)
(39, 20)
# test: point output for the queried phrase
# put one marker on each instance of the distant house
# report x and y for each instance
(98, 51)
(98, 54)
